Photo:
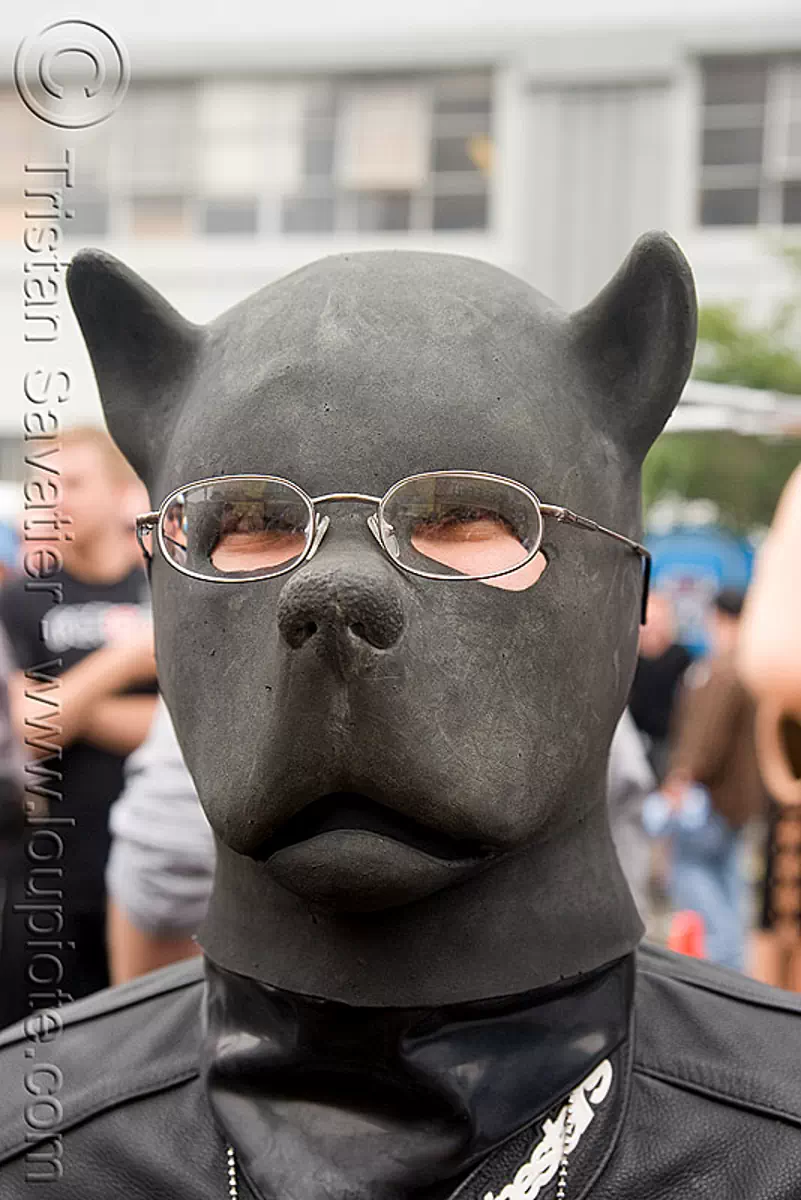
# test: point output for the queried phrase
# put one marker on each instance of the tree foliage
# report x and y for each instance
(743, 475)
(731, 350)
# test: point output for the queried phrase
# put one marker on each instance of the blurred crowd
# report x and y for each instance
(710, 838)
(106, 857)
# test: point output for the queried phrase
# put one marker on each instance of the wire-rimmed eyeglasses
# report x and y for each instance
(244, 528)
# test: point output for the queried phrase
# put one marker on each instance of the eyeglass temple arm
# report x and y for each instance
(566, 516)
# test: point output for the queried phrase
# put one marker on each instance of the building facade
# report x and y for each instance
(228, 166)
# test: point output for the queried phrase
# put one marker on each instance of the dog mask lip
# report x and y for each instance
(338, 813)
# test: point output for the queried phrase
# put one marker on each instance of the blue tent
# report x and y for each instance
(691, 565)
(9, 544)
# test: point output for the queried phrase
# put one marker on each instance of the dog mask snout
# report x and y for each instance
(341, 604)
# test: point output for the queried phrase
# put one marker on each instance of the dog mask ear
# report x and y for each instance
(637, 339)
(142, 350)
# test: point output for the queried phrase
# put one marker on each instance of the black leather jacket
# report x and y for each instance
(706, 1100)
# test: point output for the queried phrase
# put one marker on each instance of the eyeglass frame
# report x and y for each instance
(147, 522)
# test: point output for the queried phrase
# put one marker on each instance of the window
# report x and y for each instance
(160, 140)
(308, 214)
(388, 155)
(386, 212)
(159, 216)
(730, 206)
(384, 138)
(751, 141)
(249, 137)
(153, 169)
(23, 139)
(250, 148)
(791, 204)
(461, 152)
(232, 216)
(460, 212)
(220, 157)
(12, 458)
(90, 214)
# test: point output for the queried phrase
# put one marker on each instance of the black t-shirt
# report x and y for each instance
(653, 692)
(42, 631)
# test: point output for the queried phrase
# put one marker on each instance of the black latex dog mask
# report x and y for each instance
(439, 749)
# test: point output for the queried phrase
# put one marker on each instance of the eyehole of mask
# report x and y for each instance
(523, 578)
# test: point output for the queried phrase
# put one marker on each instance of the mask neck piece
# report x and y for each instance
(394, 1103)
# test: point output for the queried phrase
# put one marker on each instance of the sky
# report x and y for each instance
(196, 20)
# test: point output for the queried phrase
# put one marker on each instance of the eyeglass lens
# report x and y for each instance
(237, 527)
(469, 525)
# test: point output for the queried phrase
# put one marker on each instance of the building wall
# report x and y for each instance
(598, 174)
(596, 139)
(615, 130)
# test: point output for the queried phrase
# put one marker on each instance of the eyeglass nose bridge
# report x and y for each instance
(357, 497)
(322, 523)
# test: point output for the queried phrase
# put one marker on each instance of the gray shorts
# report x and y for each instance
(162, 854)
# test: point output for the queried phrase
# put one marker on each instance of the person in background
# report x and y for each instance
(769, 658)
(133, 501)
(713, 773)
(12, 825)
(12, 815)
(96, 638)
(629, 781)
(9, 552)
(161, 865)
(660, 668)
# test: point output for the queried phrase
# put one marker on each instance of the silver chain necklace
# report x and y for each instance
(567, 1134)
(561, 1180)
(233, 1182)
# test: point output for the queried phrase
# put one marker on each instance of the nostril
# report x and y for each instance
(358, 630)
(298, 632)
